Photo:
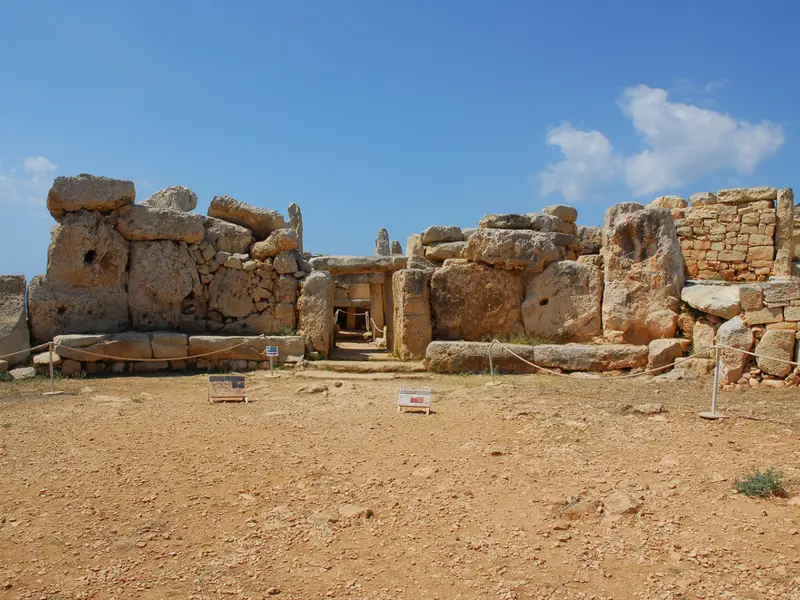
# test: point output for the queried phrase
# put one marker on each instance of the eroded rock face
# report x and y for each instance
(86, 253)
(663, 352)
(643, 276)
(590, 239)
(563, 303)
(176, 197)
(382, 247)
(512, 249)
(735, 334)
(505, 221)
(227, 237)
(739, 195)
(719, 300)
(252, 348)
(474, 301)
(168, 344)
(14, 335)
(441, 251)
(473, 357)
(71, 194)
(280, 240)
(414, 246)
(315, 309)
(778, 344)
(260, 221)
(442, 233)
(616, 213)
(142, 222)
(229, 294)
(296, 224)
(578, 357)
(412, 313)
(568, 214)
(163, 275)
(396, 248)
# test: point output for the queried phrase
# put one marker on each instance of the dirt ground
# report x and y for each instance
(540, 487)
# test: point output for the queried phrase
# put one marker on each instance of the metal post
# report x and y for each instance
(714, 414)
(491, 364)
(52, 376)
(271, 371)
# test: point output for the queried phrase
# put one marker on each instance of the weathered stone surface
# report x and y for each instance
(412, 313)
(227, 237)
(473, 357)
(776, 344)
(260, 221)
(441, 251)
(358, 264)
(643, 276)
(512, 249)
(764, 316)
(720, 300)
(86, 253)
(167, 344)
(751, 297)
(563, 303)
(698, 366)
(663, 352)
(23, 373)
(739, 195)
(70, 194)
(252, 348)
(105, 348)
(53, 312)
(506, 221)
(3, 366)
(442, 233)
(14, 335)
(141, 222)
(568, 214)
(176, 197)
(285, 263)
(382, 243)
(703, 198)
(296, 224)
(396, 248)
(163, 275)
(315, 309)
(280, 240)
(414, 246)
(703, 337)
(578, 357)
(784, 234)
(668, 202)
(474, 301)
(468, 232)
(616, 213)
(736, 334)
(228, 294)
(590, 239)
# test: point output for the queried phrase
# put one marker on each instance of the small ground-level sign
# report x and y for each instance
(414, 399)
(272, 352)
(226, 388)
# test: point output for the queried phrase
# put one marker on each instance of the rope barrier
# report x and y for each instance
(26, 350)
(783, 360)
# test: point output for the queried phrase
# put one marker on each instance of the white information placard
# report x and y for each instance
(272, 351)
(414, 399)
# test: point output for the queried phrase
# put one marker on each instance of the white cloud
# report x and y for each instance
(29, 186)
(683, 143)
(588, 164)
(686, 142)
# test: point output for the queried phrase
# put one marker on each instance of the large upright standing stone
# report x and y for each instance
(643, 276)
(396, 248)
(315, 309)
(414, 246)
(382, 243)
(412, 313)
(296, 224)
(14, 334)
(784, 235)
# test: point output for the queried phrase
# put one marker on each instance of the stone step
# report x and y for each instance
(352, 366)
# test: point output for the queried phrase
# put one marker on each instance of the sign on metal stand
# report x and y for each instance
(414, 399)
(226, 388)
(272, 352)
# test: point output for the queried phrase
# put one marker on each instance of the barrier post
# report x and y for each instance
(491, 364)
(52, 391)
(714, 414)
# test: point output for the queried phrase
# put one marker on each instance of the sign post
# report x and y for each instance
(226, 388)
(414, 399)
(272, 352)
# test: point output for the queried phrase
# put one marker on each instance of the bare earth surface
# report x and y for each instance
(540, 487)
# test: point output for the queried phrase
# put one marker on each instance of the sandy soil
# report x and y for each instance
(540, 487)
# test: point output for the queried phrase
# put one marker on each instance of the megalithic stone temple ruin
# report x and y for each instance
(157, 281)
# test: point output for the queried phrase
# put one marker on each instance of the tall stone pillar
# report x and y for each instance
(14, 335)
(396, 248)
(412, 313)
(414, 246)
(376, 304)
(296, 224)
(784, 234)
(315, 307)
(382, 243)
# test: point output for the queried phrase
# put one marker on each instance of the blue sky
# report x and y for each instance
(401, 115)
